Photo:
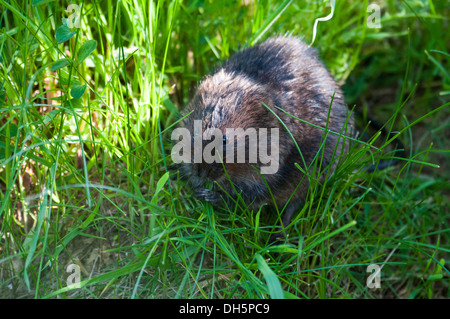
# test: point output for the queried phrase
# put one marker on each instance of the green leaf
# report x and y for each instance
(50, 116)
(63, 34)
(112, 275)
(2, 95)
(270, 21)
(438, 64)
(27, 154)
(76, 103)
(273, 283)
(77, 91)
(12, 130)
(35, 234)
(38, 159)
(288, 295)
(36, 2)
(171, 107)
(162, 181)
(60, 64)
(64, 79)
(435, 277)
(337, 231)
(2, 150)
(85, 50)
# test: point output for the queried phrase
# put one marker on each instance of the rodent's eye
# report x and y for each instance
(224, 140)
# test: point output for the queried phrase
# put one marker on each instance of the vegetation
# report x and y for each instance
(86, 115)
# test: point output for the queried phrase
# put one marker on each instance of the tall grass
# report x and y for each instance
(84, 152)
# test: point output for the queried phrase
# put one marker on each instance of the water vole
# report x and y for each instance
(247, 92)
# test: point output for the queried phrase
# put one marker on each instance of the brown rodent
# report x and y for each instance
(280, 72)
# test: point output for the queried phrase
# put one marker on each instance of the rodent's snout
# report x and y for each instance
(207, 171)
(197, 171)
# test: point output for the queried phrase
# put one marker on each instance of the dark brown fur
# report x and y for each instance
(282, 72)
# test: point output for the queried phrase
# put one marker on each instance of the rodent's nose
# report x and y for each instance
(200, 170)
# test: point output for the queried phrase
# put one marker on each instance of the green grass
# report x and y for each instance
(84, 150)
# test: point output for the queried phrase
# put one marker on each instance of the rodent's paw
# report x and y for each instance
(207, 195)
(277, 238)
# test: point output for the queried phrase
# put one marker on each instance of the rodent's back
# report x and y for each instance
(286, 64)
